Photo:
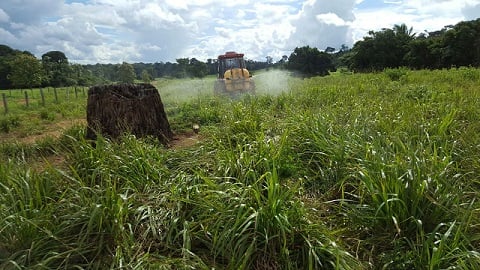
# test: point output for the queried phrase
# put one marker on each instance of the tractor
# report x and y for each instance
(233, 77)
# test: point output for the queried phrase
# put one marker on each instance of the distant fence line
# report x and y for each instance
(77, 90)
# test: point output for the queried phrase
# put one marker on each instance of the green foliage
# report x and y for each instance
(58, 72)
(197, 69)
(8, 122)
(263, 226)
(382, 49)
(461, 44)
(126, 73)
(203, 112)
(47, 115)
(310, 61)
(26, 71)
(7, 55)
(190, 68)
(395, 74)
(146, 77)
(453, 46)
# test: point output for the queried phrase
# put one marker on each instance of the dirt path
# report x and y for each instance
(53, 130)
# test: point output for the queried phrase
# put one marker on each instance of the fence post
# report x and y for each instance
(26, 98)
(76, 93)
(68, 93)
(56, 95)
(5, 105)
(43, 97)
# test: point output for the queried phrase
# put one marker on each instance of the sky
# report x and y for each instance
(149, 31)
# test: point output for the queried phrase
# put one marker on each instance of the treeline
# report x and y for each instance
(20, 69)
(453, 46)
(183, 67)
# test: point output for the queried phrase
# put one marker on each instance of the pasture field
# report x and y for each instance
(349, 171)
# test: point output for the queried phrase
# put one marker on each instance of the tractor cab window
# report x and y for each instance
(232, 63)
(225, 64)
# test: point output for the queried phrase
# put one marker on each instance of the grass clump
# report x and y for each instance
(264, 225)
(396, 74)
(7, 123)
(47, 115)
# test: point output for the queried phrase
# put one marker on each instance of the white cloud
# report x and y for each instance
(7, 37)
(175, 4)
(3, 16)
(156, 16)
(331, 18)
(472, 10)
(422, 15)
(393, 2)
(112, 31)
(323, 23)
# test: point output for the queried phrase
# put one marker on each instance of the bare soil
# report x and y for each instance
(185, 140)
(53, 130)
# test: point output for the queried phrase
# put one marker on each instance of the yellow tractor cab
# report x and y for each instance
(233, 77)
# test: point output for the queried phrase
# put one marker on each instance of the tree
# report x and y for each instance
(269, 60)
(26, 71)
(211, 66)
(310, 61)
(423, 53)
(81, 75)
(462, 44)
(330, 49)
(126, 73)
(57, 70)
(181, 68)
(382, 49)
(197, 69)
(146, 78)
(6, 56)
(344, 48)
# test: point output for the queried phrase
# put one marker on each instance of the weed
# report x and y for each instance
(47, 115)
(395, 74)
(9, 122)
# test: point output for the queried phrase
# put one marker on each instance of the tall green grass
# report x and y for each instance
(352, 171)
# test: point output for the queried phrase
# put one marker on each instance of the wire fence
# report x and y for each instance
(34, 97)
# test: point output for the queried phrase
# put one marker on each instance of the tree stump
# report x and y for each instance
(113, 110)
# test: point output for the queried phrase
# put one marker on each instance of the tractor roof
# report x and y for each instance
(230, 55)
